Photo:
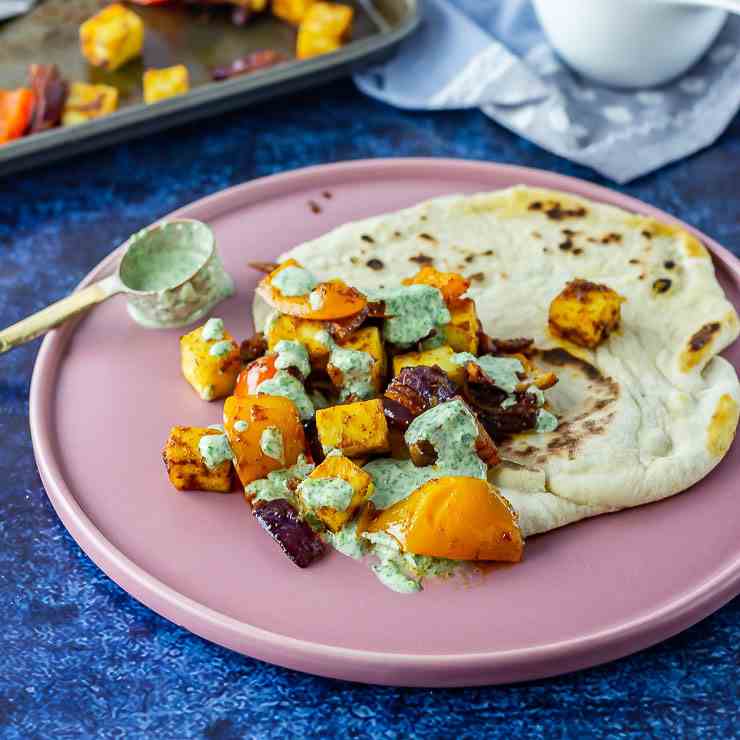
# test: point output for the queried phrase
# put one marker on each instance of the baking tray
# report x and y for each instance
(195, 37)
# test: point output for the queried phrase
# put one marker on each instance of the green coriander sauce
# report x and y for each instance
(292, 354)
(355, 366)
(214, 449)
(271, 443)
(294, 281)
(414, 312)
(334, 493)
(213, 330)
(286, 385)
(276, 485)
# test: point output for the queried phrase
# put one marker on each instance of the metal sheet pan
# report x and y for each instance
(200, 40)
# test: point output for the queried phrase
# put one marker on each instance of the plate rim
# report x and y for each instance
(400, 669)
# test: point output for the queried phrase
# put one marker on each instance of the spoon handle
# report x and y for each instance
(51, 316)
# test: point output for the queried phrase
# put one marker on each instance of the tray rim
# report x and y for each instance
(400, 669)
(205, 100)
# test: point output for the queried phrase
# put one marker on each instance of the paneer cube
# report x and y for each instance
(585, 313)
(265, 434)
(112, 37)
(441, 357)
(292, 11)
(354, 428)
(367, 340)
(211, 366)
(337, 466)
(185, 466)
(160, 84)
(86, 102)
(462, 332)
(323, 29)
(309, 333)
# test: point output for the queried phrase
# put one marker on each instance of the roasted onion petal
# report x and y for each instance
(296, 539)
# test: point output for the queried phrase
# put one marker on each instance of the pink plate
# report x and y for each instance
(106, 392)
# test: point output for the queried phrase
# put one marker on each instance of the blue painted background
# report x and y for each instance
(78, 657)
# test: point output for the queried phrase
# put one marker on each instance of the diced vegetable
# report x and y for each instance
(416, 389)
(160, 84)
(367, 340)
(319, 301)
(211, 366)
(441, 357)
(86, 102)
(255, 373)
(451, 285)
(337, 466)
(323, 29)
(454, 517)
(185, 465)
(50, 93)
(265, 434)
(585, 313)
(16, 107)
(462, 331)
(292, 11)
(311, 334)
(112, 37)
(354, 428)
(296, 539)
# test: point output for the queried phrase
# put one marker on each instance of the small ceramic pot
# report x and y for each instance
(629, 43)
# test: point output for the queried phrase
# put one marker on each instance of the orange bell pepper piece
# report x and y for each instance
(261, 369)
(336, 300)
(454, 517)
(451, 285)
(16, 108)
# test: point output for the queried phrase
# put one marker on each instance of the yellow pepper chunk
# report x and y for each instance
(160, 84)
(112, 37)
(292, 11)
(323, 29)
(86, 102)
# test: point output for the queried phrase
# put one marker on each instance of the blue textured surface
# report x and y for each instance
(79, 657)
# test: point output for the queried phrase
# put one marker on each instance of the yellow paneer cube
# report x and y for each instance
(111, 37)
(86, 102)
(367, 340)
(462, 332)
(323, 29)
(441, 356)
(185, 465)
(585, 313)
(211, 363)
(292, 11)
(309, 333)
(160, 84)
(337, 466)
(354, 428)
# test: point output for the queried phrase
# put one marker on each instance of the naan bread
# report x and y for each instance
(649, 412)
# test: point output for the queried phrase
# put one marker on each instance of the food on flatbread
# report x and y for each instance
(482, 368)
(436, 520)
(193, 461)
(585, 313)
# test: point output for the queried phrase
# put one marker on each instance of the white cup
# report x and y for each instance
(629, 43)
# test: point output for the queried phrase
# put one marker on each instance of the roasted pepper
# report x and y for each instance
(16, 107)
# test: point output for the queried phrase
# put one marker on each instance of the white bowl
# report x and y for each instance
(629, 43)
